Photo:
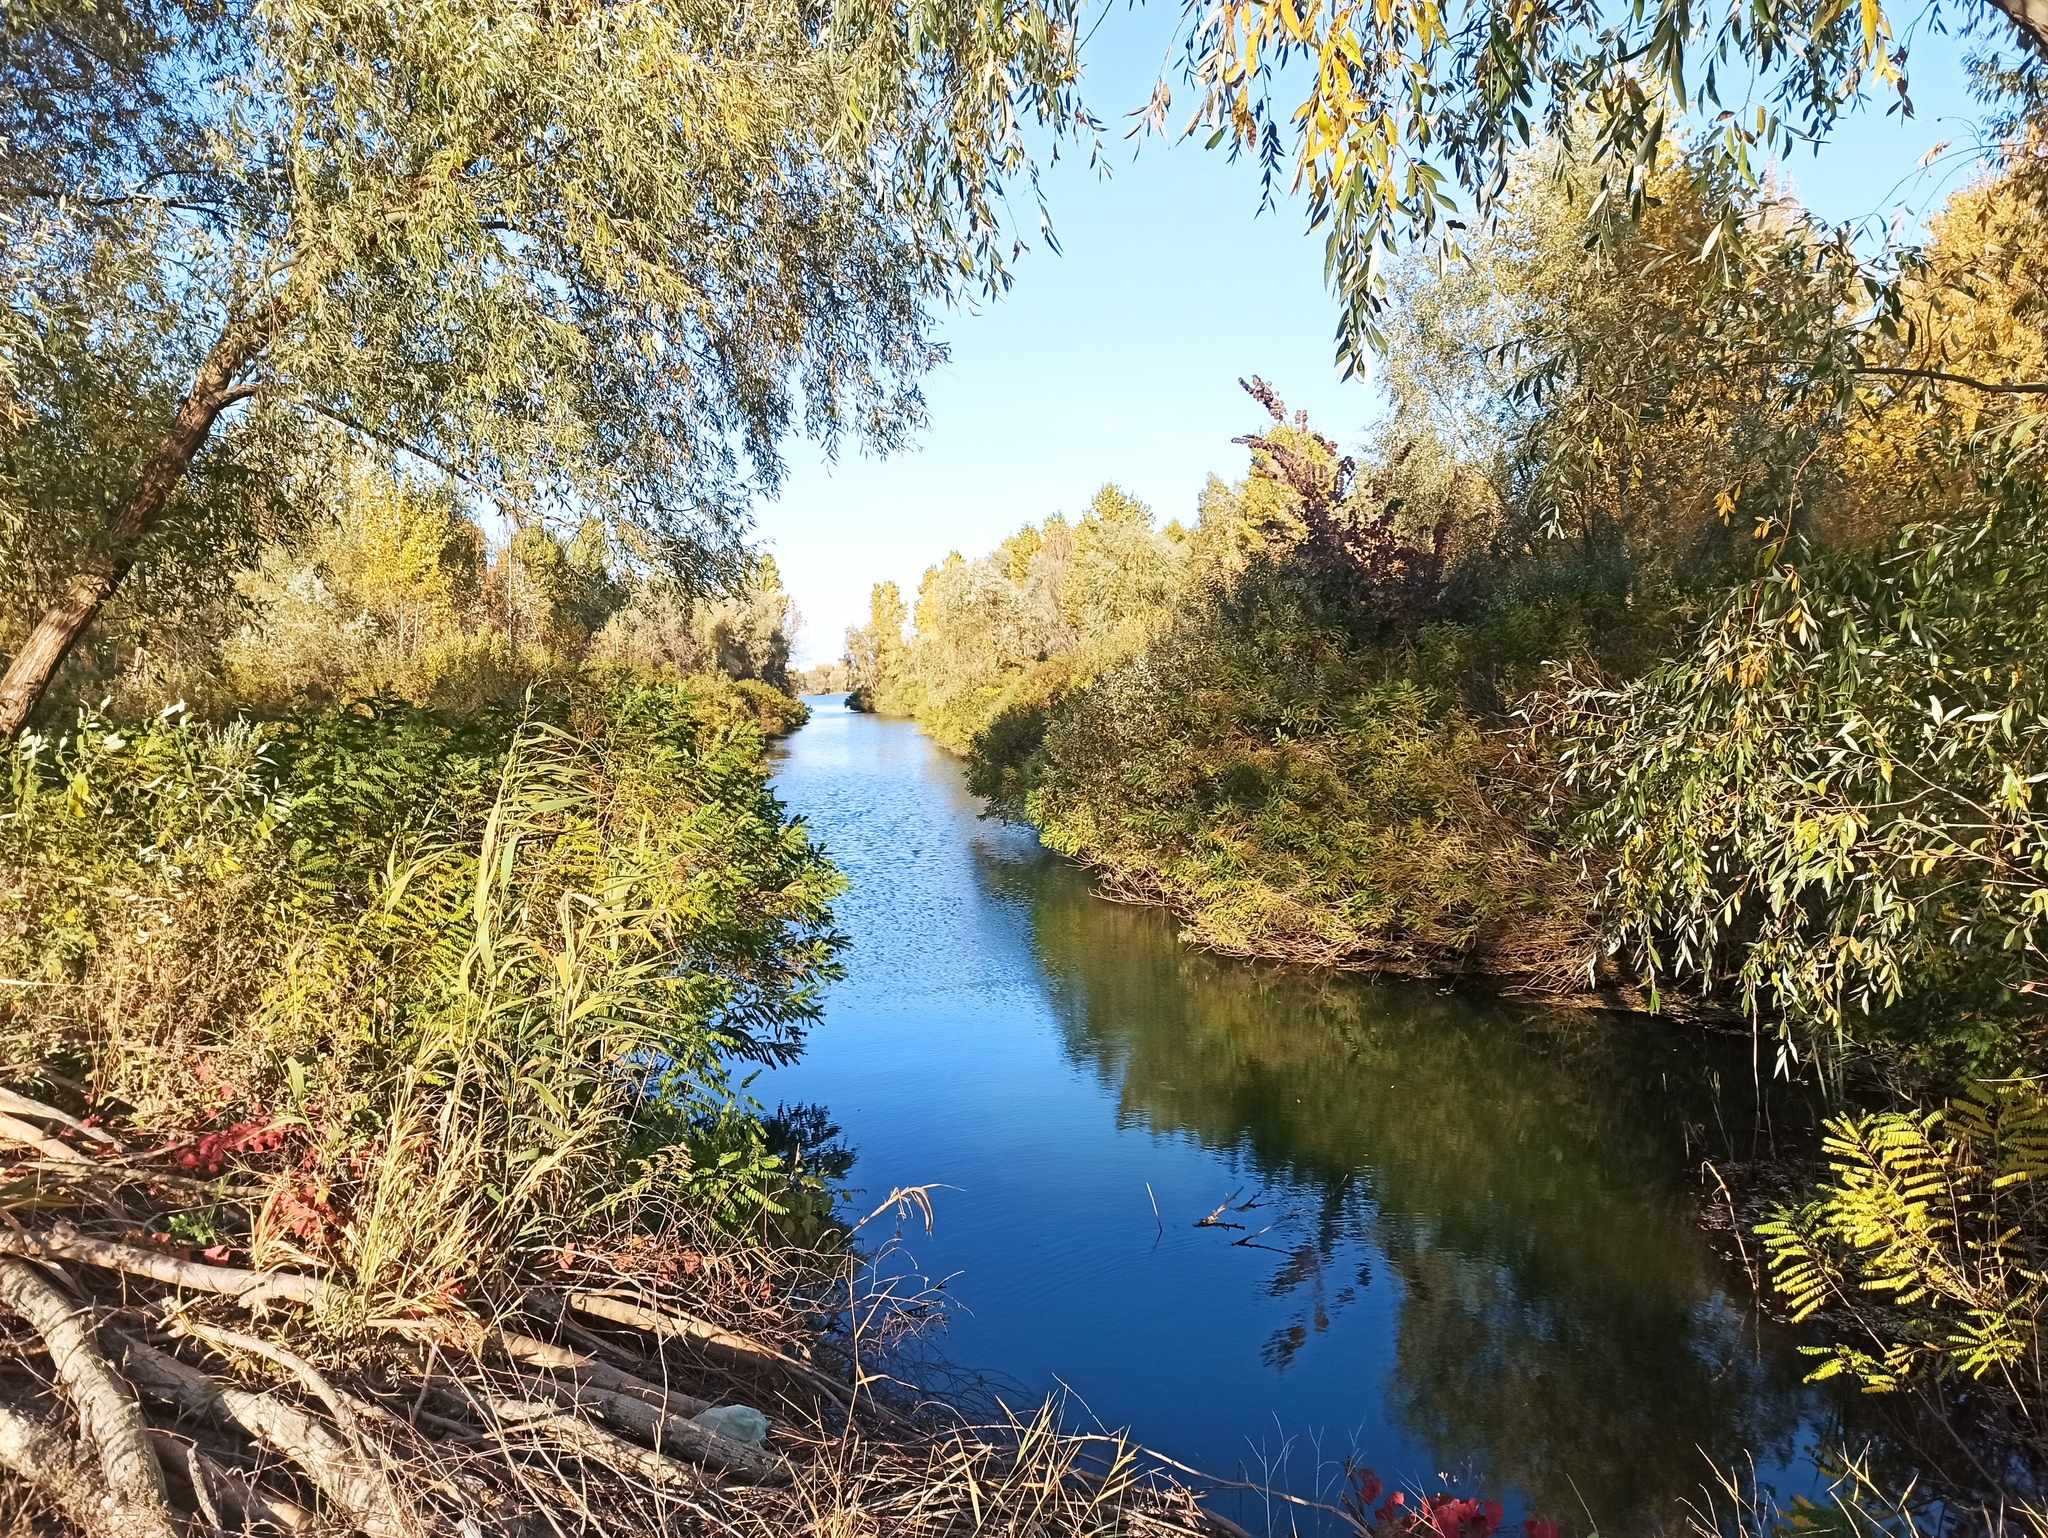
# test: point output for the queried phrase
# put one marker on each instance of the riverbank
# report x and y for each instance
(373, 1160)
(623, 1390)
(1484, 1234)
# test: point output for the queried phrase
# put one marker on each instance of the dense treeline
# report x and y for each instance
(1454, 702)
(1625, 653)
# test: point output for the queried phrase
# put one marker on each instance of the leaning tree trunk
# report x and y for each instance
(213, 391)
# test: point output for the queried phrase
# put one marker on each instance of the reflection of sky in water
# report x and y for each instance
(1455, 1238)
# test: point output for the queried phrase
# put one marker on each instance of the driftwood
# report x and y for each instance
(247, 1287)
(673, 1324)
(501, 1431)
(665, 1432)
(111, 1427)
(16, 1104)
(62, 1472)
(587, 1371)
(348, 1479)
(232, 1494)
(544, 1418)
(667, 1324)
(661, 1416)
(22, 1135)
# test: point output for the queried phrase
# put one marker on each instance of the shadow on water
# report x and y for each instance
(1527, 1178)
(1457, 1236)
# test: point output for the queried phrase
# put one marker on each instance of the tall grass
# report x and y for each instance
(456, 991)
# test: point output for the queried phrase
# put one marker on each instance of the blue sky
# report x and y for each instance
(1118, 359)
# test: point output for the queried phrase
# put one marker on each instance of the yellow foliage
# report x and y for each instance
(1976, 312)
(1930, 1244)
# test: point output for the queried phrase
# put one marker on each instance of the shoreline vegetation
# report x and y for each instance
(374, 1158)
(392, 899)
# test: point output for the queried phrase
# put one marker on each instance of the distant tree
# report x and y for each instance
(575, 256)
(875, 651)
(749, 634)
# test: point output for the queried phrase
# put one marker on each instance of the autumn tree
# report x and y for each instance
(575, 257)
(875, 651)
(748, 633)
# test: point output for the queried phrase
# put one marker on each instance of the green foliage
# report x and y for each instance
(776, 714)
(1060, 597)
(495, 971)
(1927, 1249)
(744, 634)
(1397, 109)
(392, 590)
(1832, 800)
(875, 652)
(1334, 810)
(1360, 805)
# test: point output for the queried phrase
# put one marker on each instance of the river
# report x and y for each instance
(1454, 1237)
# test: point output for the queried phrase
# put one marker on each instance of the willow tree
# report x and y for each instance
(576, 254)
(1403, 119)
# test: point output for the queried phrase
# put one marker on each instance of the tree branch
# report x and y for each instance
(402, 446)
(1943, 376)
(109, 1419)
(2029, 18)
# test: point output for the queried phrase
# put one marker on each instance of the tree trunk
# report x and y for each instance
(29, 674)
(2030, 19)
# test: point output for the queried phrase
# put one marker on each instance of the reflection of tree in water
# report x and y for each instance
(1318, 1232)
(1564, 1324)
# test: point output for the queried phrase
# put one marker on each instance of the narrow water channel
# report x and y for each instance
(1456, 1239)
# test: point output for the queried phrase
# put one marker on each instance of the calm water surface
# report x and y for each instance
(1460, 1247)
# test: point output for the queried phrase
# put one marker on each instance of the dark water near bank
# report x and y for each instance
(1463, 1248)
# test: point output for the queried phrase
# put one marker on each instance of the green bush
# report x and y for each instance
(1286, 784)
(489, 976)
(1926, 1253)
(1831, 801)
(775, 712)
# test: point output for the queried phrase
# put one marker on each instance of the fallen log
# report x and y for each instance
(664, 1432)
(233, 1491)
(348, 1411)
(111, 1427)
(63, 1242)
(17, 1104)
(349, 1481)
(674, 1324)
(585, 1370)
(574, 1434)
(21, 1134)
(63, 1473)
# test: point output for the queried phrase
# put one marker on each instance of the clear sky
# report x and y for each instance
(1118, 358)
